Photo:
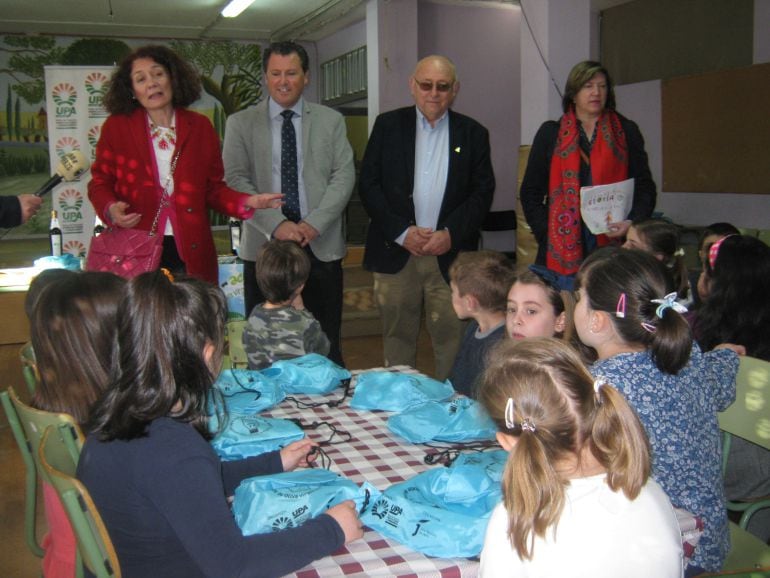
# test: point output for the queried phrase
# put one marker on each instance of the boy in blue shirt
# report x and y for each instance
(480, 281)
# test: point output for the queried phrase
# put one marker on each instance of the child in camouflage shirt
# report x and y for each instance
(281, 327)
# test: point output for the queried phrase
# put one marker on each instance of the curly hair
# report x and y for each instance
(185, 80)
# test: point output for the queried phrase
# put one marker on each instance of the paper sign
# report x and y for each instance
(604, 204)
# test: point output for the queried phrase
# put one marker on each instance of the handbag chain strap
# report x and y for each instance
(164, 196)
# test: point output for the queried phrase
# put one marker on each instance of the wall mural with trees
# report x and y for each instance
(231, 75)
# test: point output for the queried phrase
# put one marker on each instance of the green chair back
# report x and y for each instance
(748, 418)
(35, 421)
(27, 425)
(30, 475)
(95, 547)
(29, 367)
(235, 354)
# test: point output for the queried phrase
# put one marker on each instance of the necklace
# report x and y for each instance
(165, 137)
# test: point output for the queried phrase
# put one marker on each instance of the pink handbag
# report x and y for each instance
(130, 252)
(125, 252)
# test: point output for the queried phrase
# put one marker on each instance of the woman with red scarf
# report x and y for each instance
(590, 145)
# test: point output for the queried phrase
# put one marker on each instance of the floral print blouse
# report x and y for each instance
(679, 413)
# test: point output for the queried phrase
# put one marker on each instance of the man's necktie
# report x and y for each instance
(289, 182)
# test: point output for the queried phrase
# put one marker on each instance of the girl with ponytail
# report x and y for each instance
(628, 316)
(577, 497)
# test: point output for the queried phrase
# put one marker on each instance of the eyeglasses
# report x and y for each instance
(427, 85)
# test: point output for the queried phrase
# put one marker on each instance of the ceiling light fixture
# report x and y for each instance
(235, 7)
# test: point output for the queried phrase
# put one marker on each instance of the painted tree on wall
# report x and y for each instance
(241, 66)
(29, 56)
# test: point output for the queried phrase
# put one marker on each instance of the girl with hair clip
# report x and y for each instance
(535, 308)
(577, 476)
(661, 239)
(160, 488)
(628, 315)
(735, 284)
(72, 328)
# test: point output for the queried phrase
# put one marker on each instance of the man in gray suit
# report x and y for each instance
(317, 184)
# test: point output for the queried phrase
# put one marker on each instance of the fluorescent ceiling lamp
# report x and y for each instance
(235, 7)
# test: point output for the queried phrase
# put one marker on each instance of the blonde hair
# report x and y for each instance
(553, 398)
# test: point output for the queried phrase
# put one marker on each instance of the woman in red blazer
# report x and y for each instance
(151, 142)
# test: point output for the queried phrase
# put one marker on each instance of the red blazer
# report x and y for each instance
(124, 170)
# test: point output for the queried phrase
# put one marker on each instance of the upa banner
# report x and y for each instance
(74, 96)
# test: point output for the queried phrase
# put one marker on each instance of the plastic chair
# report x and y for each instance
(29, 367)
(498, 232)
(748, 417)
(235, 355)
(27, 425)
(95, 548)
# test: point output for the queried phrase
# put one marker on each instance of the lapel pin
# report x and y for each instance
(457, 149)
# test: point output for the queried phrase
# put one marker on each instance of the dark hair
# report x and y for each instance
(552, 392)
(285, 48)
(713, 230)
(282, 267)
(662, 238)
(720, 229)
(185, 80)
(611, 272)
(160, 369)
(737, 309)
(581, 73)
(487, 275)
(42, 281)
(72, 328)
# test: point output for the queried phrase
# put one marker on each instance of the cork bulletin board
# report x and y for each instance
(716, 132)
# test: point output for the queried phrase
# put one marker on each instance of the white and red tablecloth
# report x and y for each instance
(376, 455)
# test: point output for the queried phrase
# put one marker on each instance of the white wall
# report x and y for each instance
(489, 69)
(761, 36)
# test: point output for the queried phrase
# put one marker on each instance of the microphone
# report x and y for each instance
(71, 166)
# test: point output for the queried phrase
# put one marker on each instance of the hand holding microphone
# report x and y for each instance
(71, 166)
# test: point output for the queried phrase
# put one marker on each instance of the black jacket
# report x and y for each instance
(387, 180)
(534, 186)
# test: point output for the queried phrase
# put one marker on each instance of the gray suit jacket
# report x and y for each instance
(328, 173)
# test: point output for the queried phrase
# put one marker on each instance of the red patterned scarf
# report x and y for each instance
(609, 164)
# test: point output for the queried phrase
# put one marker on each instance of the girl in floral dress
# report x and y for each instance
(627, 313)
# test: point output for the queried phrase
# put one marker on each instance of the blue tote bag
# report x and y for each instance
(309, 374)
(246, 391)
(393, 391)
(442, 512)
(250, 435)
(458, 420)
(271, 503)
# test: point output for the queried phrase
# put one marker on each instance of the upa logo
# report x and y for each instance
(64, 95)
(70, 203)
(66, 144)
(96, 87)
(93, 138)
(75, 248)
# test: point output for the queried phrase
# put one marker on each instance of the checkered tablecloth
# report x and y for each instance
(375, 455)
